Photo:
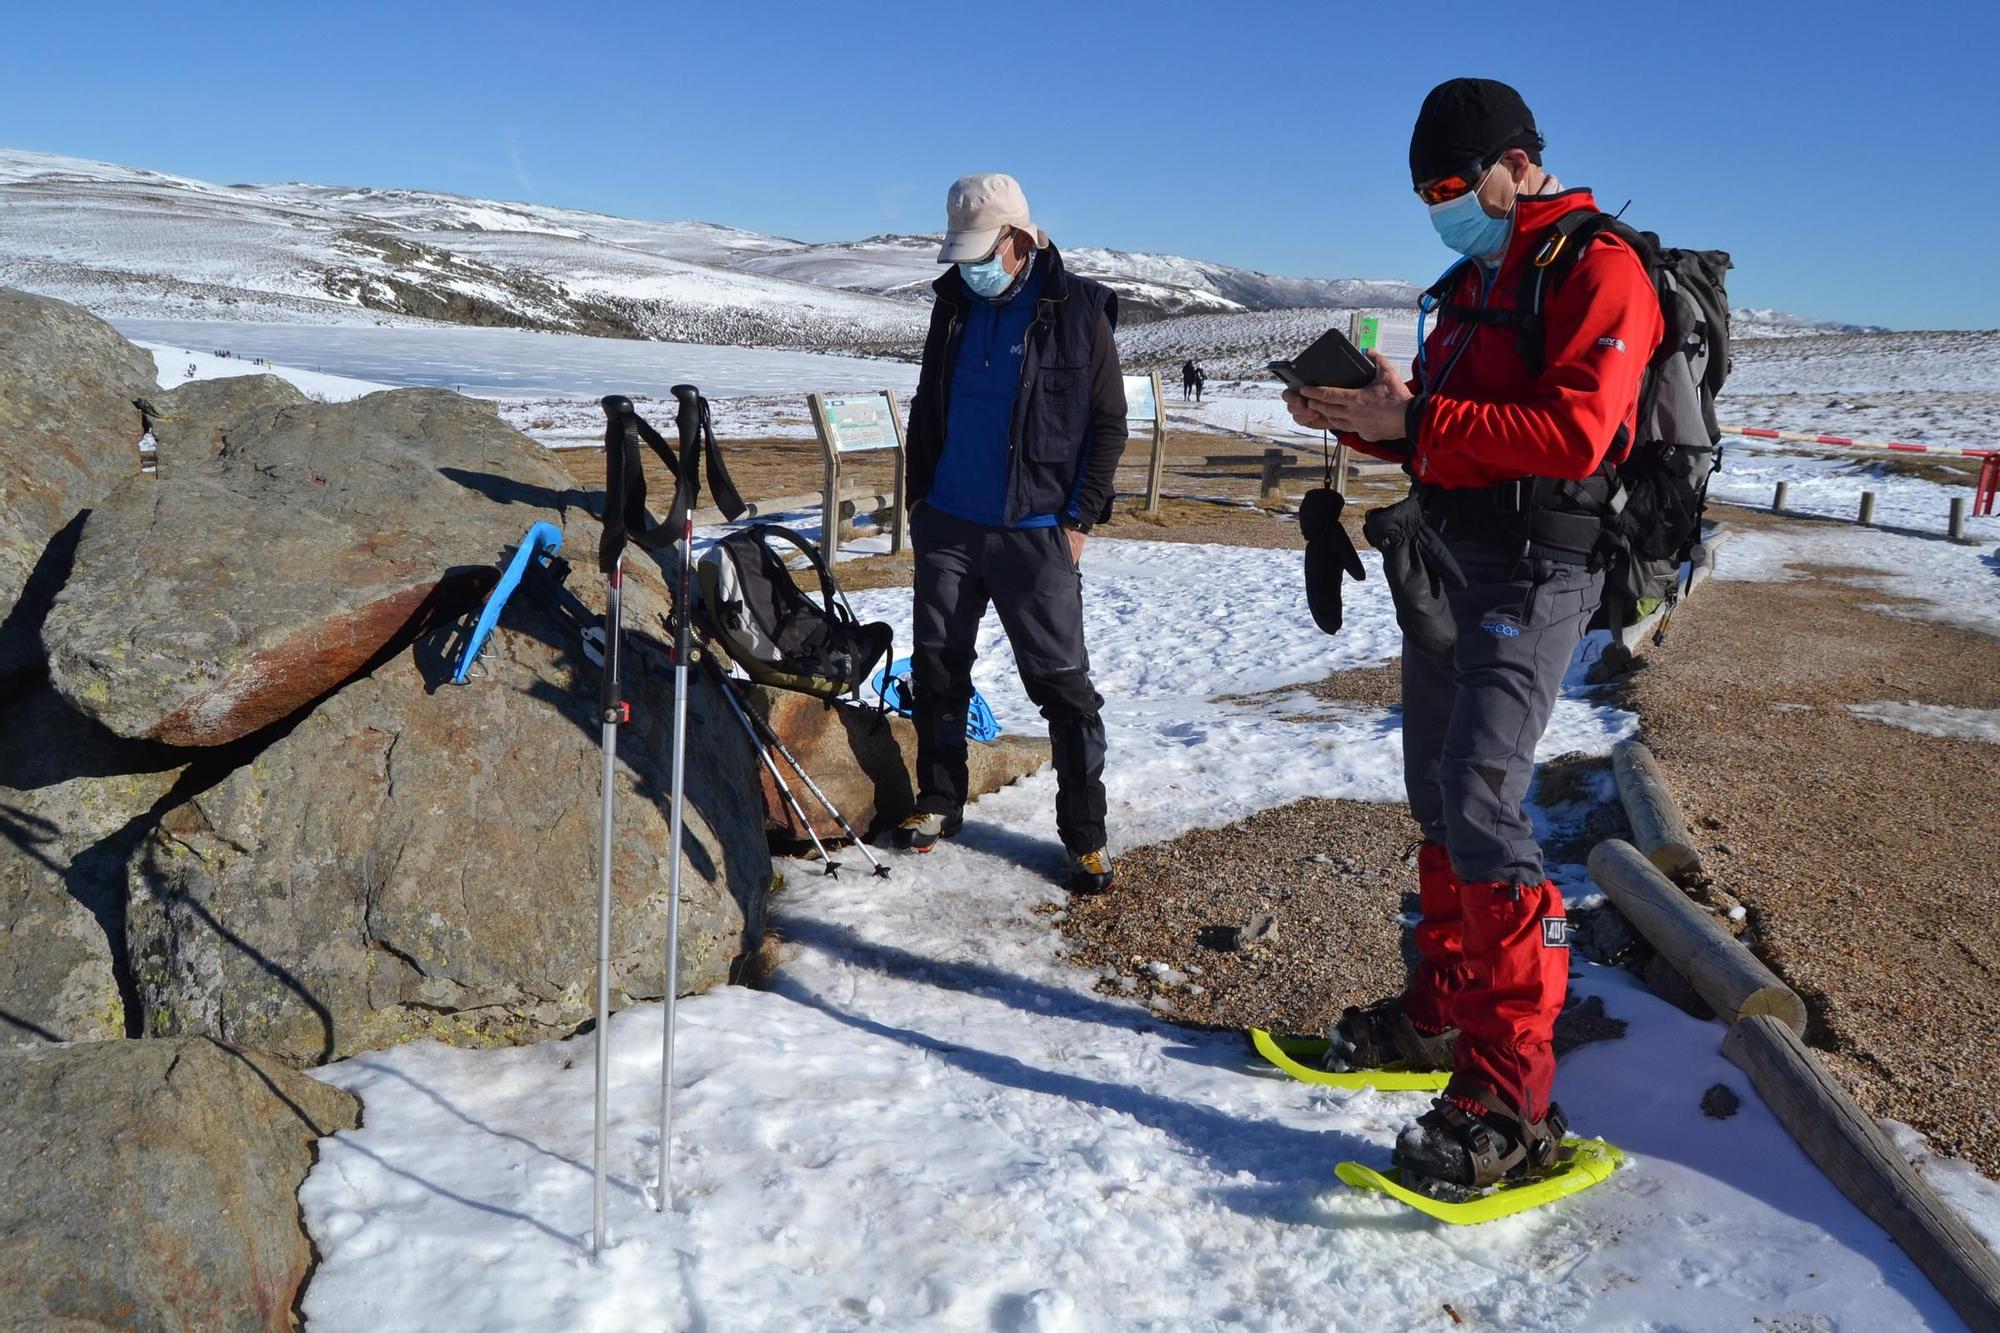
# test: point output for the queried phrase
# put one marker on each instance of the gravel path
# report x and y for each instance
(1868, 855)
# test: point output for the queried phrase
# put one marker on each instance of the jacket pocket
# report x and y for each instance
(1059, 414)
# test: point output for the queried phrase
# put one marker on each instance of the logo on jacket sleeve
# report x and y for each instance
(1619, 343)
(1502, 628)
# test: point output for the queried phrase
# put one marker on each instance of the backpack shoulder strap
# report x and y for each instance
(829, 589)
(1569, 236)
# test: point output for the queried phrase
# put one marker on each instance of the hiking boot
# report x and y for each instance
(1470, 1140)
(1089, 873)
(1381, 1036)
(921, 831)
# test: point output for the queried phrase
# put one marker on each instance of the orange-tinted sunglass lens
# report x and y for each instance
(1444, 191)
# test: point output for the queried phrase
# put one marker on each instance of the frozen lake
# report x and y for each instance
(517, 363)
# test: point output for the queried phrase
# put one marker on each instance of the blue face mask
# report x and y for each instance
(1467, 228)
(989, 277)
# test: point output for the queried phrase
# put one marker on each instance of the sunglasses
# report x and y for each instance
(999, 241)
(1447, 188)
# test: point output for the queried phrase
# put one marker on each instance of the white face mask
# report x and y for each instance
(1465, 225)
(989, 277)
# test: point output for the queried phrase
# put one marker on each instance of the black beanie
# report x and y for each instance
(1467, 119)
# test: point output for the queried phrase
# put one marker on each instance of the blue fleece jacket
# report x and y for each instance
(971, 481)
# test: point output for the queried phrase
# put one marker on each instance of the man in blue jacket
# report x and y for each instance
(1015, 434)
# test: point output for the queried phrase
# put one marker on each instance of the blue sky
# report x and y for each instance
(1848, 155)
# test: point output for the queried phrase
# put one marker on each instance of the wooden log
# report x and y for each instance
(851, 502)
(1867, 508)
(1779, 496)
(1658, 828)
(1955, 525)
(1859, 1159)
(1722, 971)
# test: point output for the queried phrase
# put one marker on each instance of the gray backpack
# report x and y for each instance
(1662, 484)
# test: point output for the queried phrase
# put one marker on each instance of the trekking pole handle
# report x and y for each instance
(687, 416)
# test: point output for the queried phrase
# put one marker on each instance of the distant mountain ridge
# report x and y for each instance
(1152, 286)
(133, 243)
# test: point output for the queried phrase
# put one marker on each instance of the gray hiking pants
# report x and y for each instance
(1471, 723)
(1028, 576)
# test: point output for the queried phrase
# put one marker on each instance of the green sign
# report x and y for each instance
(860, 423)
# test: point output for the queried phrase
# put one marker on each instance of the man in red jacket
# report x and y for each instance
(1509, 432)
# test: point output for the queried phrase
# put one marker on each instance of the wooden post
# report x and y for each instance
(1859, 1159)
(1158, 461)
(899, 520)
(1658, 829)
(1722, 971)
(1867, 508)
(869, 436)
(1955, 525)
(1778, 497)
(829, 491)
(1273, 487)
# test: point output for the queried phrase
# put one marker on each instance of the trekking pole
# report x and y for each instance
(771, 735)
(750, 729)
(687, 419)
(612, 710)
(626, 519)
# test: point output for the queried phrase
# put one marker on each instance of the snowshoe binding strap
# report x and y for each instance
(1381, 1036)
(1472, 1140)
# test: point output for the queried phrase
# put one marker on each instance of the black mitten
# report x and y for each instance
(1329, 553)
(1416, 563)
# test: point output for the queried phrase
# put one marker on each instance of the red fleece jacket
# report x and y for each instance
(1485, 417)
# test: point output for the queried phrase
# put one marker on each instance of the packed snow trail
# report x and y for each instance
(930, 1120)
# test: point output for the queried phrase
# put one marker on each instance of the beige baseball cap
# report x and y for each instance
(976, 208)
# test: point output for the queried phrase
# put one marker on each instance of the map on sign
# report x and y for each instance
(1139, 402)
(1394, 336)
(858, 423)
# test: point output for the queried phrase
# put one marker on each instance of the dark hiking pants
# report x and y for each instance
(1028, 576)
(1494, 938)
(1471, 723)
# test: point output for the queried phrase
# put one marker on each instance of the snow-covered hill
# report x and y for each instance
(136, 244)
(139, 244)
(1764, 322)
(131, 243)
(1151, 286)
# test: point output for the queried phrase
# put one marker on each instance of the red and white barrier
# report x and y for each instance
(1985, 494)
(1890, 446)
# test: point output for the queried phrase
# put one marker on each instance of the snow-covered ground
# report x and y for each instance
(931, 1120)
(181, 365)
(1828, 483)
(509, 363)
(1904, 555)
(1927, 388)
(1973, 724)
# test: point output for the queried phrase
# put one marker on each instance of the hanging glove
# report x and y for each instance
(1417, 565)
(1329, 553)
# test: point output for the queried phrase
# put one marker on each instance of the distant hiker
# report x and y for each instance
(1189, 377)
(1014, 439)
(1200, 378)
(1509, 469)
